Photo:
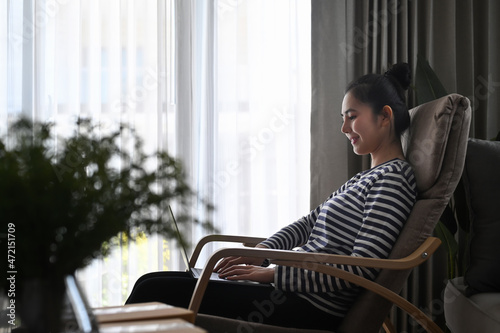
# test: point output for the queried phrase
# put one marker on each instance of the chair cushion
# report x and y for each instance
(479, 313)
(482, 182)
(426, 142)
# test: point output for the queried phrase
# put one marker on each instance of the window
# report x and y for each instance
(223, 84)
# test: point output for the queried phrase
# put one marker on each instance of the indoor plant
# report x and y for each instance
(64, 205)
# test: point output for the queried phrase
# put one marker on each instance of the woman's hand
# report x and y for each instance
(227, 262)
(245, 268)
(248, 272)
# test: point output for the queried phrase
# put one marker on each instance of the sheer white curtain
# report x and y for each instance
(223, 84)
(104, 60)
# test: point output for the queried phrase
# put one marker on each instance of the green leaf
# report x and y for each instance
(461, 207)
(427, 84)
(69, 204)
(450, 244)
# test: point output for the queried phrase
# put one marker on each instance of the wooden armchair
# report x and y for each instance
(435, 147)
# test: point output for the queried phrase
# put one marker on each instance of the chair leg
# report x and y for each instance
(388, 326)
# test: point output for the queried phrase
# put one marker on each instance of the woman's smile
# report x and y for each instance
(353, 140)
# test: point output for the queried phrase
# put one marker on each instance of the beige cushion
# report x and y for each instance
(425, 143)
(479, 313)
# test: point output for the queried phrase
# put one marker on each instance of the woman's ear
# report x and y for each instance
(387, 114)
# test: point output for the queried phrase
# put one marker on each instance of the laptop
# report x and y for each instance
(195, 272)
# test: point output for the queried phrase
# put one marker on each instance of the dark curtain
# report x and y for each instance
(460, 39)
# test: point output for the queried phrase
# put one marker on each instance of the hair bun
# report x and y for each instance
(402, 73)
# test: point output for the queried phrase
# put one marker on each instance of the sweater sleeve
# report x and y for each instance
(383, 207)
(298, 232)
(293, 235)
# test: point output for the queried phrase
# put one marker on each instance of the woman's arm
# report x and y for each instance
(248, 272)
(228, 262)
(289, 237)
(247, 268)
(294, 234)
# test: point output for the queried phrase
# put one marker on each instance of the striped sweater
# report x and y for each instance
(363, 218)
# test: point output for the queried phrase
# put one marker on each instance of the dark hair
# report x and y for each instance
(389, 89)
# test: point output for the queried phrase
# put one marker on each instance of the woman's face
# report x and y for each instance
(361, 126)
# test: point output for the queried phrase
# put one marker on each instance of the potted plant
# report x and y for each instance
(64, 205)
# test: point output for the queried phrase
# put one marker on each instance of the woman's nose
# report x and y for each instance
(345, 127)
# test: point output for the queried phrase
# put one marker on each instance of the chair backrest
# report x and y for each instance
(435, 146)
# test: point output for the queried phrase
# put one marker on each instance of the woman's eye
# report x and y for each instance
(352, 117)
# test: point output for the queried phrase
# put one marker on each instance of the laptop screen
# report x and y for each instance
(179, 239)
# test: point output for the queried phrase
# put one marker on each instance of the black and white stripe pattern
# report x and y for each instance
(363, 218)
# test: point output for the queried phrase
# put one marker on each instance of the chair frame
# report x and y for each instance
(319, 263)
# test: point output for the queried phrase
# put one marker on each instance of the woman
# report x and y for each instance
(362, 218)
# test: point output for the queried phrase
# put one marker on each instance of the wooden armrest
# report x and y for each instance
(319, 262)
(417, 257)
(287, 257)
(245, 240)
